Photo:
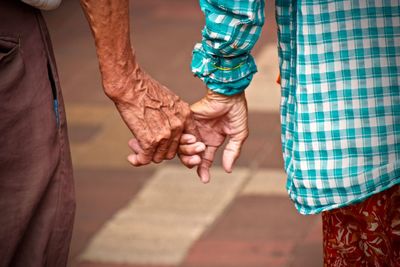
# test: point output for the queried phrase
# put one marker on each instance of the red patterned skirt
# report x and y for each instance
(364, 234)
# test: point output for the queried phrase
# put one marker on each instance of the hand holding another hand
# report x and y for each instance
(217, 117)
(155, 115)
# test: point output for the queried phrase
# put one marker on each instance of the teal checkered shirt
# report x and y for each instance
(222, 60)
(340, 85)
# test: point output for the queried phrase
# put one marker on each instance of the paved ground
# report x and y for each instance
(161, 215)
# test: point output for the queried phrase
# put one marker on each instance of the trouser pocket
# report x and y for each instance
(12, 66)
(54, 94)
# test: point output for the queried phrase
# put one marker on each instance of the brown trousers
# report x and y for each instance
(37, 202)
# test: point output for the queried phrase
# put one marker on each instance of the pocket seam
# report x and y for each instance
(12, 40)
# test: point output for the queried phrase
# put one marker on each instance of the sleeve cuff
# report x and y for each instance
(223, 75)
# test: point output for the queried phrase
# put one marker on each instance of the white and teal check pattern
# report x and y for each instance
(222, 60)
(340, 105)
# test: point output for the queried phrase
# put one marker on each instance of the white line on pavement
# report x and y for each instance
(159, 225)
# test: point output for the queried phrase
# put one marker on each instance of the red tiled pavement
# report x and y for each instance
(97, 264)
(236, 253)
(259, 231)
(309, 251)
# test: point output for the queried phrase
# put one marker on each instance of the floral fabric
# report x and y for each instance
(364, 234)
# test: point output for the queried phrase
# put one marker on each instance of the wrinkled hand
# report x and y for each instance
(217, 117)
(155, 115)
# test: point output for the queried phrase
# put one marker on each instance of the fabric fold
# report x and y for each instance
(224, 75)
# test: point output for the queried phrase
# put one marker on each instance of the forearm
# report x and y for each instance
(109, 22)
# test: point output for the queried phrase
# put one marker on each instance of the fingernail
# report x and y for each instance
(200, 148)
(131, 159)
(205, 180)
(205, 176)
(230, 169)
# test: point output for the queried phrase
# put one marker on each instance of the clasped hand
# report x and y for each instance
(162, 125)
(156, 117)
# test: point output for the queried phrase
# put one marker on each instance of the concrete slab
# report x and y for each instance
(266, 182)
(309, 251)
(159, 225)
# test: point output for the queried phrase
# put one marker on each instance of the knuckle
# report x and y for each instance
(176, 125)
(148, 144)
(206, 163)
(163, 137)
(178, 128)
(167, 135)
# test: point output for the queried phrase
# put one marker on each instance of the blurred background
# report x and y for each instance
(161, 215)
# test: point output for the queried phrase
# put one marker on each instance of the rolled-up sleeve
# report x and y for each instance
(223, 60)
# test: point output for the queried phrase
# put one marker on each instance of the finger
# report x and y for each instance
(173, 148)
(162, 149)
(144, 139)
(206, 162)
(190, 161)
(231, 154)
(135, 146)
(187, 139)
(138, 157)
(169, 134)
(145, 157)
(153, 136)
(192, 149)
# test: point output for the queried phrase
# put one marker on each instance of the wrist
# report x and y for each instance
(212, 95)
(120, 82)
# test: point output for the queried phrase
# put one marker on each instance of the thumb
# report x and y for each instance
(231, 154)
